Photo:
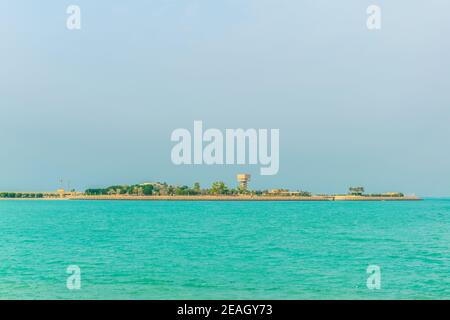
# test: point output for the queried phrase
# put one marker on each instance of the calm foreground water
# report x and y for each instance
(224, 250)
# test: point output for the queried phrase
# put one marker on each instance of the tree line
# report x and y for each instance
(162, 189)
(20, 195)
(216, 188)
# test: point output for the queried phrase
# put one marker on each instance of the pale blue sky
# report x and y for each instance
(354, 107)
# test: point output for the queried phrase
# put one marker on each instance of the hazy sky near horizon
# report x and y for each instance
(97, 106)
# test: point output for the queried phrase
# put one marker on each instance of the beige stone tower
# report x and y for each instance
(243, 179)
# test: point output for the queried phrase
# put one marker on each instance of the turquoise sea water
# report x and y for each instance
(224, 250)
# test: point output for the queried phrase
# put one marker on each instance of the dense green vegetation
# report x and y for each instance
(158, 188)
(131, 190)
(356, 191)
(20, 195)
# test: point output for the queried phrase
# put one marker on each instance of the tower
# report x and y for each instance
(243, 179)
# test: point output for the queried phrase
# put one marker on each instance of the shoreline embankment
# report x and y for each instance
(223, 198)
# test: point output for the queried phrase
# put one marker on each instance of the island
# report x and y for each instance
(218, 191)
